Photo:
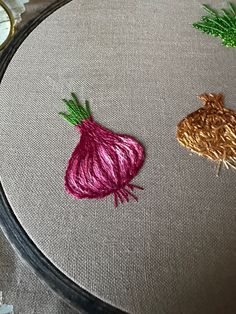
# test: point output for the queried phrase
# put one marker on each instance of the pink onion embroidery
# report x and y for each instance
(103, 162)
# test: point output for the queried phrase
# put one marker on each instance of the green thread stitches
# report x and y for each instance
(76, 112)
(220, 23)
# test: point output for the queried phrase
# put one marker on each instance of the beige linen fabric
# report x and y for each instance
(141, 65)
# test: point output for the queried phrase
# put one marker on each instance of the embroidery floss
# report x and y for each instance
(219, 24)
(211, 131)
(103, 162)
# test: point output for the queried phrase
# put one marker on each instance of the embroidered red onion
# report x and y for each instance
(103, 162)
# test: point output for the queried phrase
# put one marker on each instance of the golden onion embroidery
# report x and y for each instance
(210, 131)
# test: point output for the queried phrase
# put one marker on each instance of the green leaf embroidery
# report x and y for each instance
(76, 112)
(219, 24)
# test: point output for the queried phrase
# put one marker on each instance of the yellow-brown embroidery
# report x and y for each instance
(210, 131)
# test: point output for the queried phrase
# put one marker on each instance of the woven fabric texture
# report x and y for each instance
(20, 287)
(141, 65)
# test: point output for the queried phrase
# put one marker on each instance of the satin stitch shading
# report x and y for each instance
(103, 162)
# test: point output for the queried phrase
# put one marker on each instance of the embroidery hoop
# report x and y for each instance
(50, 277)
